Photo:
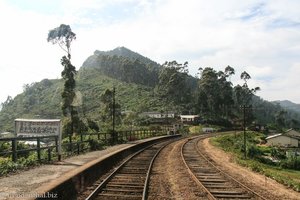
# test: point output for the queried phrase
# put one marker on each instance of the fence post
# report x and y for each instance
(38, 149)
(56, 144)
(71, 145)
(14, 149)
(49, 154)
(78, 148)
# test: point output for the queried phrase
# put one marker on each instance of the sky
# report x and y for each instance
(261, 37)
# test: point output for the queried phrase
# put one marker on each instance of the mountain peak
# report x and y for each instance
(120, 52)
(289, 105)
(123, 52)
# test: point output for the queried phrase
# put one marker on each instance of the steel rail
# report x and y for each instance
(193, 176)
(226, 174)
(103, 184)
(146, 185)
(196, 179)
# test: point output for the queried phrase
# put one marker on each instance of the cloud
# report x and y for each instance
(261, 37)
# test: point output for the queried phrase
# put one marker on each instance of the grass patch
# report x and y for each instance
(233, 143)
(195, 129)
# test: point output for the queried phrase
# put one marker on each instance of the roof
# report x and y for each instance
(280, 134)
(189, 116)
(157, 112)
(273, 136)
(292, 131)
(37, 120)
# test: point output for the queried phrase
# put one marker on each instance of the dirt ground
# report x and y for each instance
(170, 179)
(262, 184)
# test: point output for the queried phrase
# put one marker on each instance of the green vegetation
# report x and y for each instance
(142, 85)
(8, 166)
(63, 36)
(269, 161)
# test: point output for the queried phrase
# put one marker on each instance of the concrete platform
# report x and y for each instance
(30, 184)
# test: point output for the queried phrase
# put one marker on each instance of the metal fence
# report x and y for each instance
(46, 147)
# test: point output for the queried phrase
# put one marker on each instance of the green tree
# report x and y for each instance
(173, 84)
(243, 93)
(108, 108)
(63, 36)
(280, 119)
(209, 93)
(226, 92)
(243, 99)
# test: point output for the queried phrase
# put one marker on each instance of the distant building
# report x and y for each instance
(286, 139)
(208, 130)
(189, 119)
(159, 115)
(292, 132)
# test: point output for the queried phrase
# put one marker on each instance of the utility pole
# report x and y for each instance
(114, 115)
(244, 128)
(244, 107)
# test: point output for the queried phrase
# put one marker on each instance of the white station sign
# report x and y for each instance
(37, 127)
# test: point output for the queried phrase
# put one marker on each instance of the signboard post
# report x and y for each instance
(39, 127)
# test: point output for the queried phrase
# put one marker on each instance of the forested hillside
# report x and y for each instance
(143, 85)
(289, 105)
(124, 65)
(42, 100)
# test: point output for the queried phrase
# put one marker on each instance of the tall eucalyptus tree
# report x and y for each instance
(63, 36)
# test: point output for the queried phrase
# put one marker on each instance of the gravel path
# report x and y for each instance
(269, 188)
(170, 179)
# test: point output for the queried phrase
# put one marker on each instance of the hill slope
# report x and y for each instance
(135, 78)
(42, 99)
(289, 105)
(125, 65)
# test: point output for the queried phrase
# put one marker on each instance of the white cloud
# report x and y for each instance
(260, 37)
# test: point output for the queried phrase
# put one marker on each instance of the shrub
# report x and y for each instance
(265, 160)
(95, 145)
(6, 166)
(291, 163)
(254, 151)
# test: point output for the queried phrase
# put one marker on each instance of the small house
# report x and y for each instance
(208, 130)
(292, 132)
(282, 140)
(159, 115)
(189, 119)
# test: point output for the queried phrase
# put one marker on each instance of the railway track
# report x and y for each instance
(130, 179)
(217, 183)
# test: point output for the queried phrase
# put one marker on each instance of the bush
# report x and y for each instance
(265, 161)
(254, 151)
(5, 146)
(6, 166)
(266, 150)
(291, 163)
(95, 145)
(278, 153)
